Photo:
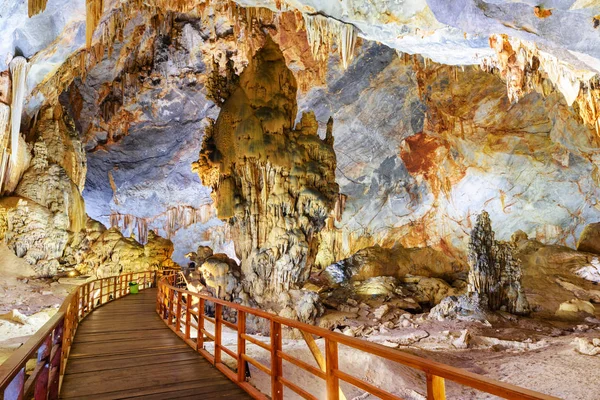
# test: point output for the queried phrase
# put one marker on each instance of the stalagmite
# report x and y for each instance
(18, 71)
(322, 32)
(36, 6)
(275, 185)
(494, 271)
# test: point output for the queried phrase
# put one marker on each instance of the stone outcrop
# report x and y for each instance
(589, 240)
(45, 220)
(494, 272)
(274, 184)
(396, 261)
(105, 252)
(494, 280)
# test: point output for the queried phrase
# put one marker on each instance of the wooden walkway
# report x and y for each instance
(124, 350)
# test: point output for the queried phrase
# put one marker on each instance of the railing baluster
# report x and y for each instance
(188, 308)
(331, 361)
(200, 338)
(101, 287)
(14, 391)
(276, 362)
(178, 315)
(115, 288)
(218, 329)
(436, 388)
(241, 346)
(170, 308)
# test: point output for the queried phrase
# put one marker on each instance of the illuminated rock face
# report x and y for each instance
(45, 220)
(275, 184)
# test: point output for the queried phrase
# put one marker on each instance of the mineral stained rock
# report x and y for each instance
(274, 183)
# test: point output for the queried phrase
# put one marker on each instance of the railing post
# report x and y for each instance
(188, 308)
(200, 338)
(101, 287)
(218, 328)
(178, 315)
(89, 299)
(436, 388)
(241, 346)
(170, 308)
(276, 362)
(41, 385)
(331, 362)
(56, 360)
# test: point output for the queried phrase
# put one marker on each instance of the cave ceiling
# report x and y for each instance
(440, 108)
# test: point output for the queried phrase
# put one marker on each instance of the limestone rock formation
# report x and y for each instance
(112, 254)
(589, 240)
(396, 261)
(273, 183)
(494, 272)
(34, 233)
(494, 281)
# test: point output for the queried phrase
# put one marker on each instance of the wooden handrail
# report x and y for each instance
(51, 344)
(168, 308)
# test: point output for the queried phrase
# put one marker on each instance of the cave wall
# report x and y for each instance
(413, 140)
(422, 148)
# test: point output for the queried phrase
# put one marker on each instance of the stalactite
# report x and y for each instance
(92, 18)
(4, 125)
(170, 221)
(322, 32)
(18, 71)
(36, 6)
(4, 136)
(526, 68)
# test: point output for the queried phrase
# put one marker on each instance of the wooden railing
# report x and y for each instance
(183, 310)
(50, 346)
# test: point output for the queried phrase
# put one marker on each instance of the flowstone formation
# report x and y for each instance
(274, 183)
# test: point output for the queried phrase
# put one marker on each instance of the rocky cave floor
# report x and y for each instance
(554, 356)
(26, 304)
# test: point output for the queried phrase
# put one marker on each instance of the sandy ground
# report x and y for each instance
(531, 354)
(25, 303)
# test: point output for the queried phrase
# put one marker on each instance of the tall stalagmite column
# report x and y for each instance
(494, 271)
(18, 71)
(274, 183)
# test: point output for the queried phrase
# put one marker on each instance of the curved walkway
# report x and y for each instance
(123, 350)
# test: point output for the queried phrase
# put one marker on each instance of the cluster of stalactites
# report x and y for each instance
(36, 6)
(526, 68)
(92, 18)
(323, 32)
(494, 271)
(170, 221)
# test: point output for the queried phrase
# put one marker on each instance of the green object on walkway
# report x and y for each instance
(134, 287)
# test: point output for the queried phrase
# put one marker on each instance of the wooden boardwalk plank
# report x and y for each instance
(124, 350)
